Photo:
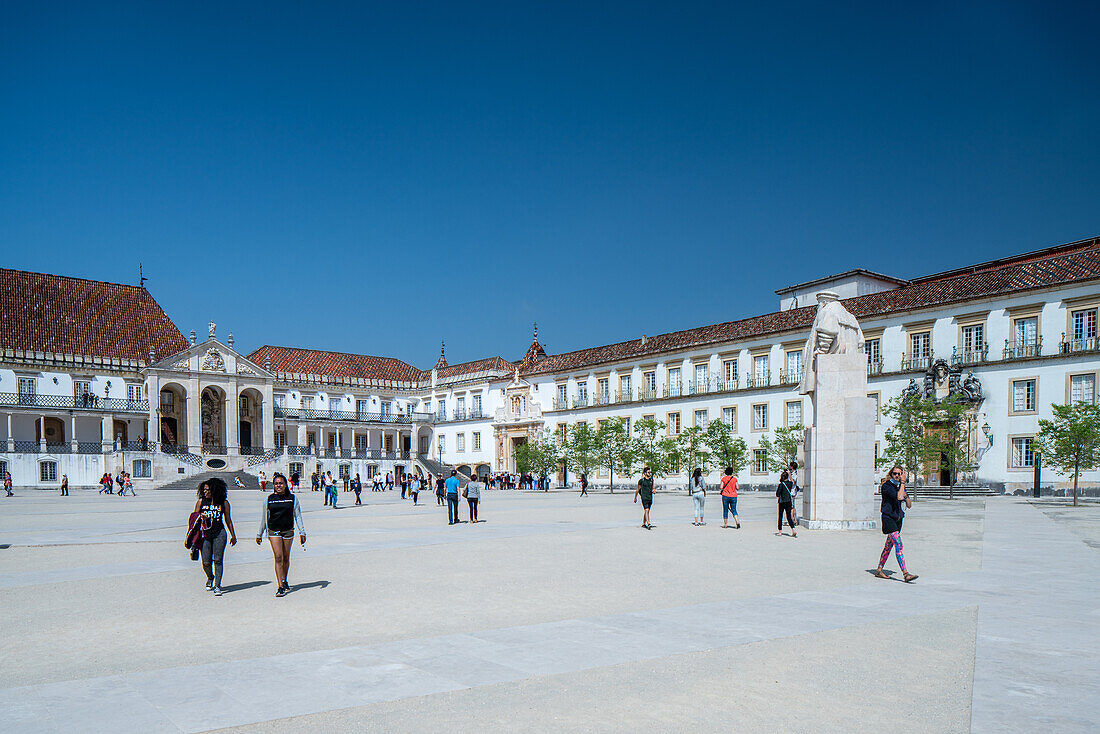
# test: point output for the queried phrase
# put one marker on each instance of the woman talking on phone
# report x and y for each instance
(893, 495)
(280, 514)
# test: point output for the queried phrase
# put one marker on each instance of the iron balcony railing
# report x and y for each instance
(969, 356)
(1024, 349)
(213, 449)
(251, 450)
(310, 414)
(916, 363)
(649, 393)
(700, 387)
(467, 415)
(874, 366)
(728, 385)
(581, 401)
(763, 379)
(675, 390)
(137, 446)
(603, 398)
(790, 377)
(69, 402)
(59, 448)
(625, 396)
(89, 447)
(27, 447)
(1075, 346)
(561, 403)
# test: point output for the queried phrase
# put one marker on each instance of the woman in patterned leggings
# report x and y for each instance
(893, 494)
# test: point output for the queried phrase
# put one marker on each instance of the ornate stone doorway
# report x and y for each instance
(212, 414)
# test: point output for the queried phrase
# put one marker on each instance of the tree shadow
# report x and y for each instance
(243, 586)
(310, 585)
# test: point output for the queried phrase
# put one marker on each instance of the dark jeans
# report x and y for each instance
(472, 501)
(328, 495)
(213, 551)
(787, 507)
(452, 509)
(358, 500)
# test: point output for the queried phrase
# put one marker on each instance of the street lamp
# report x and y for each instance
(988, 433)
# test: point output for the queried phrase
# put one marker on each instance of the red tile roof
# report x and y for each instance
(56, 313)
(478, 365)
(1075, 262)
(336, 364)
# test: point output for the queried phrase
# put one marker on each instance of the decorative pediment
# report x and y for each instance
(183, 364)
(942, 381)
(213, 356)
(212, 361)
(244, 369)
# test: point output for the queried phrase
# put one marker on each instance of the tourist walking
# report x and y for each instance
(127, 485)
(314, 480)
(278, 517)
(645, 491)
(105, 484)
(357, 487)
(64, 485)
(213, 508)
(414, 488)
(452, 498)
(389, 480)
(327, 495)
(729, 498)
(263, 480)
(7, 485)
(784, 493)
(584, 485)
(331, 488)
(440, 491)
(472, 493)
(697, 488)
(404, 482)
(893, 495)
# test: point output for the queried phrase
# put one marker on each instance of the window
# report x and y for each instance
(1023, 396)
(701, 419)
(280, 439)
(920, 349)
(296, 468)
(794, 366)
(729, 374)
(650, 380)
(242, 405)
(361, 442)
(1084, 324)
(477, 405)
(973, 339)
(760, 368)
(28, 386)
(307, 402)
(442, 444)
(387, 443)
(878, 404)
(729, 417)
(700, 377)
(167, 401)
(387, 408)
(279, 400)
(82, 392)
(1023, 452)
(143, 469)
(1082, 388)
(133, 392)
(582, 393)
(1025, 331)
(794, 413)
(460, 443)
(460, 408)
(603, 390)
(311, 439)
(332, 440)
(673, 380)
(362, 407)
(760, 417)
(563, 396)
(477, 441)
(563, 431)
(759, 461)
(624, 387)
(873, 347)
(3, 468)
(876, 454)
(651, 434)
(673, 424)
(47, 471)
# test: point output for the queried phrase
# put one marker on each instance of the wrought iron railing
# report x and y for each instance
(1075, 346)
(299, 450)
(969, 356)
(251, 450)
(700, 387)
(137, 446)
(561, 403)
(649, 393)
(71, 402)
(916, 363)
(27, 447)
(59, 448)
(1023, 349)
(580, 401)
(311, 414)
(728, 385)
(790, 377)
(89, 447)
(213, 449)
(763, 379)
(675, 390)
(625, 396)
(603, 398)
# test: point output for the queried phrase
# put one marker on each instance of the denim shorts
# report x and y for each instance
(280, 534)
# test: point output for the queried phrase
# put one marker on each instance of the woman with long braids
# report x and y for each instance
(214, 510)
(280, 514)
(893, 494)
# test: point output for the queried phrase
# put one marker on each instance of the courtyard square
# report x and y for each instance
(557, 613)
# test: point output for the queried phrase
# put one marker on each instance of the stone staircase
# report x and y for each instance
(922, 493)
(192, 482)
(438, 468)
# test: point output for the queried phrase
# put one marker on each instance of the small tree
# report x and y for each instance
(524, 455)
(547, 454)
(614, 447)
(908, 443)
(784, 449)
(648, 450)
(725, 448)
(580, 448)
(694, 449)
(673, 453)
(1071, 441)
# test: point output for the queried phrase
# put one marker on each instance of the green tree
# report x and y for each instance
(1071, 441)
(926, 436)
(673, 452)
(614, 447)
(524, 455)
(694, 448)
(648, 450)
(580, 448)
(784, 449)
(726, 448)
(547, 454)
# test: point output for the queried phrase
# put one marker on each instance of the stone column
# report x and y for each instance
(42, 433)
(840, 447)
(232, 420)
(11, 436)
(72, 434)
(268, 418)
(194, 417)
(301, 440)
(107, 430)
(414, 448)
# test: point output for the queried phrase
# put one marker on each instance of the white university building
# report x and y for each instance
(95, 377)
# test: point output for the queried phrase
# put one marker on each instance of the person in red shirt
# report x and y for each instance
(729, 499)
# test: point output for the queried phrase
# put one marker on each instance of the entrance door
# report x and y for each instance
(246, 434)
(945, 471)
(406, 444)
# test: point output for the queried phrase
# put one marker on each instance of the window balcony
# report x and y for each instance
(649, 393)
(561, 403)
(581, 401)
(1025, 349)
(974, 356)
(700, 387)
(790, 377)
(675, 390)
(1079, 346)
(729, 385)
(764, 379)
(921, 362)
(85, 401)
(356, 416)
(874, 366)
(603, 398)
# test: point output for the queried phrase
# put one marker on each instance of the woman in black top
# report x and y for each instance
(214, 508)
(893, 494)
(280, 513)
(785, 494)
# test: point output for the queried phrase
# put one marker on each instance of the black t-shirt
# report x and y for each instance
(280, 511)
(211, 517)
(783, 492)
(645, 488)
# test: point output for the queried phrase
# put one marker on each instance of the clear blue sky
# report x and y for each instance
(372, 178)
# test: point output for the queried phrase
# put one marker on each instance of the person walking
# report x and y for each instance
(472, 493)
(440, 491)
(118, 480)
(127, 485)
(414, 488)
(327, 495)
(314, 480)
(584, 485)
(215, 517)
(357, 487)
(347, 482)
(452, 498)
(64, 485)
(279, 515)
(104, 484)
(403, 480)
(333, 491)
(893, 495)
(389, 480)
(8, 484)
(645, 491)
(263, 480)
(729, 498)
(785, 495)
(697, 487)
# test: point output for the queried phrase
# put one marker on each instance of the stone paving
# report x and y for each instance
(557, 613)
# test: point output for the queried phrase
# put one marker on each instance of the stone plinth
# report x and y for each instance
(840, 447)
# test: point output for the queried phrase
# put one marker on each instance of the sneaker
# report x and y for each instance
(280, 591)
(210, 584)
(217, 591)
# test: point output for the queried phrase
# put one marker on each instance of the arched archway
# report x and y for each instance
(483, 470)
(173, 414)
(250, 419)
(212, 419)
(54, 429)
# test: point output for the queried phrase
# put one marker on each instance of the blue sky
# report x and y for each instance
(373, 178)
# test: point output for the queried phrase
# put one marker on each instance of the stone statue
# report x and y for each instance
(834, 331)
(211, 326)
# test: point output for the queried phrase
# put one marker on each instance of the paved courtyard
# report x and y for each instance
(559, 613)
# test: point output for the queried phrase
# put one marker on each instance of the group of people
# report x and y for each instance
(522, 480)
(107, 484)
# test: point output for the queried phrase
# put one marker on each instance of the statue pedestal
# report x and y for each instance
(840, 447)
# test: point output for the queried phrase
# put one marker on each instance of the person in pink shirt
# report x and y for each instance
(729, 499)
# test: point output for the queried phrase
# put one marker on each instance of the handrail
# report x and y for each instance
(86, 401)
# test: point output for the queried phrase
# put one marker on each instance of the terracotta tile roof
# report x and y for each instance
(478, 365)
(1059, 265)
(336, 364)
(56, 313)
